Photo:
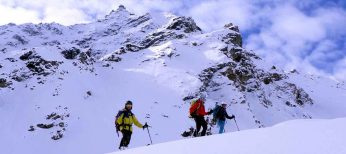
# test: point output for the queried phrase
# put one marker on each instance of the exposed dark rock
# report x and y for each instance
(34, 67)
(45, 126)
(39, 66)
(26, 56)
(11, 59)
(18, 78)
(270, 77)
(289, 104)
(207, 75)
(224, 49)
(53, 116)
(239, 75)
(112, 30)
(53, 28)
(300, 96)
(276, 76)
(267, 80)
(113, 58)
(121, 8)
(106, 65)
(58, 135)
(32, 30)
(31, 129)
(139, 20)
(86, 58)
(83, 57)
(230, 52)
(133, 48)
(84, 43)
(266, 102)
(20, 39)
(52, 43)
(294, 71)
(3, 50)
(4, 83)
(238, 56)
(234, 38)
(232, 27)
(71, 53)
(159, 37)
(61, 124)
(188, 25)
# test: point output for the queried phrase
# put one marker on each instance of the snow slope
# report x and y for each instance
(293, 137)
(60, 87)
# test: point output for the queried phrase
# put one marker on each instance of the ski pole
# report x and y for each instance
(151, 142)
(117, 130)
(236, 124)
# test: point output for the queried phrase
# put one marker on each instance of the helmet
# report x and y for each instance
(202, 96)
(128, 103)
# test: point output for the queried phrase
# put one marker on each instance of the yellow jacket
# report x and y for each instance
(126, 119)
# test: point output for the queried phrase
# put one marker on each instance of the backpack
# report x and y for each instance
(215, 112)
(193, 103)
(116, 119)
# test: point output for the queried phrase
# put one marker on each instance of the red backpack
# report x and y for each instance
(195, 105)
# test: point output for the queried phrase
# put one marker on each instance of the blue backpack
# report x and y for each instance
(215, 111)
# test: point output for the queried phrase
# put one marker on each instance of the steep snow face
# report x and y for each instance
(297, 136)
(62, 86)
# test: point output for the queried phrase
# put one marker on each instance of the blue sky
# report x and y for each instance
(308, 35)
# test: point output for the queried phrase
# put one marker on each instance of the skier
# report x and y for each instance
(124, 121)
(197, 112)
(221, 116)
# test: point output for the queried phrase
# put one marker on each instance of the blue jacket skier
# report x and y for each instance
(221, 116)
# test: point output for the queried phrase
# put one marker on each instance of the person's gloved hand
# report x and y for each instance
(232, 117)
(210, 112)
(145, 126)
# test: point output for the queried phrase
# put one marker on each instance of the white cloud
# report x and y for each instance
(214, 14)
(289, 22)
(66, 12)
(17, 15)
(307, 41)
(66, 16)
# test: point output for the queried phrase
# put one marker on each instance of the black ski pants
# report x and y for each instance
(200, 122)
(125, 141)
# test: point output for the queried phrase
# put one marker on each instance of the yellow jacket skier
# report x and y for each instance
(124, 120)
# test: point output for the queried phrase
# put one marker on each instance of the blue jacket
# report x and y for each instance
(222, 114)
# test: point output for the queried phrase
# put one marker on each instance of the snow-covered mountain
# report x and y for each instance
(60, 87)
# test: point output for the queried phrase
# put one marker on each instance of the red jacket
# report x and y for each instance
(198, 108)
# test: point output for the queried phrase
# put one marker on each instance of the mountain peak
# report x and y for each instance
(233, 27)
(118, 13)
(187, 24)
(121, 7)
